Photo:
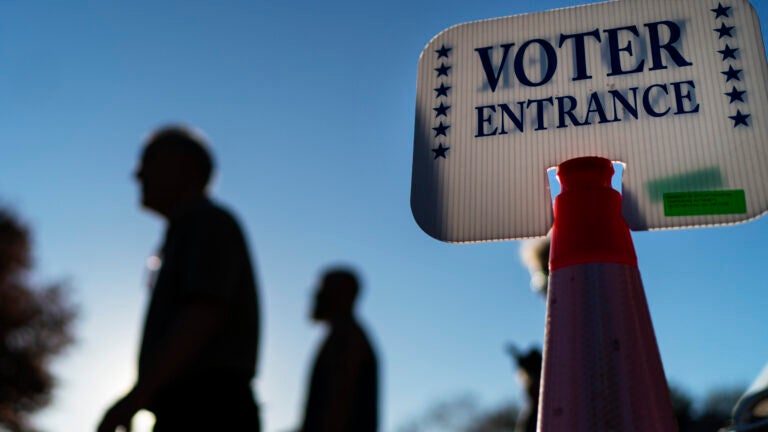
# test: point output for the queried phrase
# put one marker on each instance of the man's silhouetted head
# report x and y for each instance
(336, 295)
(175, 166)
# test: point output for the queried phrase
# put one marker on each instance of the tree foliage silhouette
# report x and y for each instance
(464, 414)
(35, 325)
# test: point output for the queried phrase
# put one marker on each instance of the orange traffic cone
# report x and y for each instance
(602, 369)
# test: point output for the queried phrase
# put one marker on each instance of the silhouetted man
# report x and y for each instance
(199, 347)
(343, 391)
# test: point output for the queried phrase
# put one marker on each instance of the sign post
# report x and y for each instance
(676, 90)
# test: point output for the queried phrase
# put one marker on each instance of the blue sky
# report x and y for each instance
(310, 109)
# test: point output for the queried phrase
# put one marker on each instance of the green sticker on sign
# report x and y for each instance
(702, 203)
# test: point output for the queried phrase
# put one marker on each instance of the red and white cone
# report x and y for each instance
(602, 370)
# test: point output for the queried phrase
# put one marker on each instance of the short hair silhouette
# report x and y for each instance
(342, 284)
(186, 143)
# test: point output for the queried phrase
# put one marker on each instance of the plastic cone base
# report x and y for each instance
(602, 370)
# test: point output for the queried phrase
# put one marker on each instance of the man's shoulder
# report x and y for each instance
(207, 219)
(209, 212)
(355, 335)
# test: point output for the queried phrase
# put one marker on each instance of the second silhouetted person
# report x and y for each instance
(343, 389)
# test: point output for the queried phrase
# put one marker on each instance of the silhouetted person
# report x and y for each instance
(343, 391)
(199, 347)
(529, 369)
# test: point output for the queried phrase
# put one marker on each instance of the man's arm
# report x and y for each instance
(197, 323)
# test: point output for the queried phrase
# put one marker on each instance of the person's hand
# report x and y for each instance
(120, 414)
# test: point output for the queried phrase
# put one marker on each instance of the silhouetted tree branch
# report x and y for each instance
(35, 324)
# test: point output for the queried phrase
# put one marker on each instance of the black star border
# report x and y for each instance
(442, 90)
(740, 119)
(441, 129)
(721, 11)
(442, 70)
(443, 52)
(728, 52)
(736, 95)
(724, 31)
(440, 151)
(732, 74)
(442, 110)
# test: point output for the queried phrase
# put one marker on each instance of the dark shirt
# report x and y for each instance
(205, 258)
(345, 373)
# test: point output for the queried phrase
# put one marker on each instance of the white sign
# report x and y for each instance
(674, 89)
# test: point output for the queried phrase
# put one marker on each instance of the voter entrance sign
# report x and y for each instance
(673, 89)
